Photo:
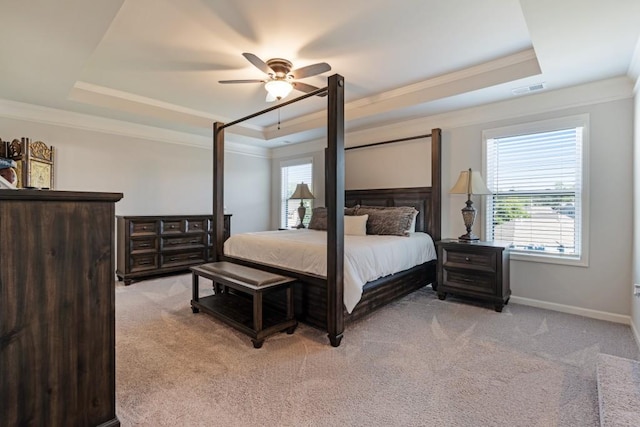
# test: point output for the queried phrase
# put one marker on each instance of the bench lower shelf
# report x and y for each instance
(237, 311)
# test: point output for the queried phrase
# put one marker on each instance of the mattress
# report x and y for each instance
(367, 257)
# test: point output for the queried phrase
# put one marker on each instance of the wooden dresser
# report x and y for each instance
(57, 314)
(153, 245)
(474, 269)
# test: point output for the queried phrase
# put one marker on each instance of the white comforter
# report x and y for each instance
(366, 258)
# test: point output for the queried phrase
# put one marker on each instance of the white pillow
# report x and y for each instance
(355, 225)
(412, 228)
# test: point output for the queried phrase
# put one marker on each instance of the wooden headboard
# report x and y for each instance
(420, 198)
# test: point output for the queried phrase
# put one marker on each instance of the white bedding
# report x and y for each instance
(367, 258)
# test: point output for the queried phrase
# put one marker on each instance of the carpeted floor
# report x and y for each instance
(417, 362)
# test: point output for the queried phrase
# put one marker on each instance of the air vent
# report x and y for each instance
(528, 89)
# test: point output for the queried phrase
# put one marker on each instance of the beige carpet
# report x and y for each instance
(618, 391)
(417, 362)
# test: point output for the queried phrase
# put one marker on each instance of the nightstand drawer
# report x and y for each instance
(473, 260)
(477, 283)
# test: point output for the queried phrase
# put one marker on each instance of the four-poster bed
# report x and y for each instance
(319, 299)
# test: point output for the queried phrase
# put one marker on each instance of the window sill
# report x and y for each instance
(549, 259)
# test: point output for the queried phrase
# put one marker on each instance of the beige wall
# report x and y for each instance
(156, 178)
(635, 301)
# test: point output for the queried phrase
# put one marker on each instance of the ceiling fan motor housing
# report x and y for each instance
(280, 66)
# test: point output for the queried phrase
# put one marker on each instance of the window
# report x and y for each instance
(292, 173)
(539, 202)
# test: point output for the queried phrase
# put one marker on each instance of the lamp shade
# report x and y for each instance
(302, 192)
(278, 88)
(470, 182)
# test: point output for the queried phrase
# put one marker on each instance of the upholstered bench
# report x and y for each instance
(243, 309)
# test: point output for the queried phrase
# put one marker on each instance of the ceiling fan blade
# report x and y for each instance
(303, 87)
(258, 63)
(310, 70)
(240, 81)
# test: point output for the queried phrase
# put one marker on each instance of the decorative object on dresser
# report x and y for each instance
(474, 269)
(154, 245)
(301, 192)
(34, 162)
(57, 314)
(469, 182)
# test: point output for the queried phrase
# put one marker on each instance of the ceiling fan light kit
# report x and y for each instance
(281, 79)
(278, 88)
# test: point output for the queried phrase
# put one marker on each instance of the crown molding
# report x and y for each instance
(55, 117)
(508, 68)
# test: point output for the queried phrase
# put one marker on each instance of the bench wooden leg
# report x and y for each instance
(195, 289)
(290, 309)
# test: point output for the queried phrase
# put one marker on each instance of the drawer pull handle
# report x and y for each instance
(467, 259)
(193, 241)
(144, 263)
(172, 226)
(144, 245)
(173, 259)
(193, 256)
(196, 225)
(144, 228)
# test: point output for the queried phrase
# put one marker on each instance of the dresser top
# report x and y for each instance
(53, 195)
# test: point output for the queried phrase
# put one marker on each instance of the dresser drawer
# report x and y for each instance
(172, 226)
(142, 262)
(181, 258)
(477, 283)
(144, 244)
(143, 227)
(197, 225)
(486, 261)
(183, 241)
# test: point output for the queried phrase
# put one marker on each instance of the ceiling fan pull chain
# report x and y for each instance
(278, 119)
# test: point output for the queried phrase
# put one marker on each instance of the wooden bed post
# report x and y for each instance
(334, 191)
(436, 183)
(218, 190)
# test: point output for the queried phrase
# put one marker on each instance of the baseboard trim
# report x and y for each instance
(594, 314)
(635, 331)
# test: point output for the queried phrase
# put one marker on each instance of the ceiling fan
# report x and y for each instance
(281, 78)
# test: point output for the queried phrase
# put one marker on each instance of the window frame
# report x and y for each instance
(288, 163)
(580, 120)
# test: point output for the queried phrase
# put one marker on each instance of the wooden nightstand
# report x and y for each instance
(474, 269)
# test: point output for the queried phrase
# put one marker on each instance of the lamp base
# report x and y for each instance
(302, 211)
(469, 237)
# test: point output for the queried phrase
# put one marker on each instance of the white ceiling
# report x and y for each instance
(158, 62)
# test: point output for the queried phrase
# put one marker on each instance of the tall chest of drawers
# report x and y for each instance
(154, 245)
(474, 269)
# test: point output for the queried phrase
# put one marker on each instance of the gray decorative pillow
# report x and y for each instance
(351, 211)
(318, 219)
(394, 221)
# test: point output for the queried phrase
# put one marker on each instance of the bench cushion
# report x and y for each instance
(244, 274)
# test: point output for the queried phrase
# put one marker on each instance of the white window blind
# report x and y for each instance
(537, 184)
(293, 173)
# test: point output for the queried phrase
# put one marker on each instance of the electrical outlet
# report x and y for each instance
(636, 289)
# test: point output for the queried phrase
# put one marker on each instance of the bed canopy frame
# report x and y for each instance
(427, 197)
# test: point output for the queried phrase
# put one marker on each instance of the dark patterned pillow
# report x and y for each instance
(351, 211)
(394, 221)
(318, 219)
